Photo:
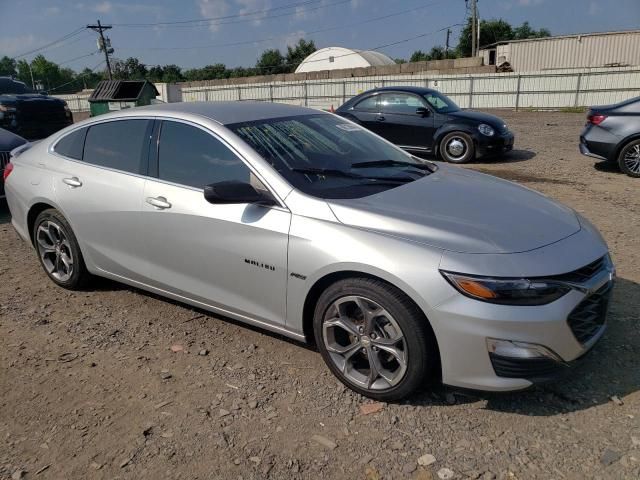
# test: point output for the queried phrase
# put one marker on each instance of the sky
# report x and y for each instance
(250, 26)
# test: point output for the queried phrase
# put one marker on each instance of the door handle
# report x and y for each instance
(380, 118)
(158, 202)
(73, 182)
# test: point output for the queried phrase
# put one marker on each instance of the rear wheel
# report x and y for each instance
(629, 159)
(58, 250)
(374, 339)
(457, 147)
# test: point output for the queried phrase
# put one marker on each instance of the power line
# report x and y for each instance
(306, 34)
(92, 70)
(61, 39)
(205, 22)
(78, 58)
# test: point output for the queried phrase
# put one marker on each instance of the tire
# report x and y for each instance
(348, 342)
(629, 159)
(54, 242)
(453, 141)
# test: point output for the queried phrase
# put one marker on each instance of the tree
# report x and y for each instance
(436, 53)
(270, 62)
(492, 31)
(7, 67)
(129, 69)
(525, 31)
(299, 52)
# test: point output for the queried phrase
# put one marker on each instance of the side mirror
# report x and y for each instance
(236, 192)
(423, 111)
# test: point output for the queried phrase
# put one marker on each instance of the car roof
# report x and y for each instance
(403, 88)
(225, 112)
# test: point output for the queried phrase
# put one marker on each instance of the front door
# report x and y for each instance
(407, 128)
(232, 257)
(99, 185)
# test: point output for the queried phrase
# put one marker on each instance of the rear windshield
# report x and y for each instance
(328, 157)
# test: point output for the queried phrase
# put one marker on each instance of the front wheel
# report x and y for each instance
(457, 147)
(629, 159)
(374, 339)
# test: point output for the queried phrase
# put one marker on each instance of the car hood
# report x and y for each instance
(479, 117)
(462, 211)
(29, 97)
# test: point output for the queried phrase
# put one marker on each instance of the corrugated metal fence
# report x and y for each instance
(540, 90)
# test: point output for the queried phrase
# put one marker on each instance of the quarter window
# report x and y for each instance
(190, 156)
(72, 145)
(400, 103)
(119, 144)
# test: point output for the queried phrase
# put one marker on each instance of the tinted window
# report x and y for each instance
(118, 144)
(402, 103)
(440, 103)
(369, 104)
(190, 156)
(72, 145)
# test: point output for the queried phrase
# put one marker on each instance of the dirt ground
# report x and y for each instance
(90, 388)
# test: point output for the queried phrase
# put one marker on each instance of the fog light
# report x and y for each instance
(512, 349)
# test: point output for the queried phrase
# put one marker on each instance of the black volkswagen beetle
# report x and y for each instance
(423, 120)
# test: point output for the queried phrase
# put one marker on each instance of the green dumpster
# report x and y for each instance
(112, 95)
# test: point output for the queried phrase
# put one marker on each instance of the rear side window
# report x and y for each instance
(72, 145)
(369, 104)
(120, 144)
(190, 156)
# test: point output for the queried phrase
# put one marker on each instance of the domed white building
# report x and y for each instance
(335, 58)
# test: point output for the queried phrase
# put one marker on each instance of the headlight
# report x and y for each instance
(485, 129)
(507, 291)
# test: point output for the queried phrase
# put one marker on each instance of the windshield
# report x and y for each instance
(11, 87)
(328, 157)
(441, 103)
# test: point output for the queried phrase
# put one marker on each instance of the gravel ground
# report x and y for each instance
(90, 387)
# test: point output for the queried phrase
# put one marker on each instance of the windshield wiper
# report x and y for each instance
(392, 163)
(333, 172)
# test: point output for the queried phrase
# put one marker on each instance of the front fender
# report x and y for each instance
(453, 127)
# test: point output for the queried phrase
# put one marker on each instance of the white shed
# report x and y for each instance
(335, 58)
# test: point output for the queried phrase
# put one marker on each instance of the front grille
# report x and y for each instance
(529, 368)
(583, 274)
(4, 159)
(589, 316)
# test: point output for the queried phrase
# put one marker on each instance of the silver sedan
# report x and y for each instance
(401, 270)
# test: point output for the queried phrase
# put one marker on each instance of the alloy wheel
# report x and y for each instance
(365, 343)
(55, 250)
(631, 159)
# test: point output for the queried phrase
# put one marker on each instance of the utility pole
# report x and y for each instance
(104, 44)
(474, 26)
(446, 45)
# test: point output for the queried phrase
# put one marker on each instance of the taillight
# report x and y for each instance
(596, 119)
(7, 170)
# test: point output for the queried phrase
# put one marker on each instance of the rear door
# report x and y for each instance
(99, 185)
(405, 127)
(232, 257)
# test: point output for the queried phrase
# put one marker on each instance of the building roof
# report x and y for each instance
(558, 37)
(359, 58)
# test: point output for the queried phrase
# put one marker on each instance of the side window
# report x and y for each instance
(369, 104)
(401, 103)
(119, 144)
(190, 156)
(72, 145)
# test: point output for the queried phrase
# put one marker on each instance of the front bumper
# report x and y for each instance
(497, 144)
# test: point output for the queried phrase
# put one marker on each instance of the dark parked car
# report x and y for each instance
(422, 120)
(31, 114)
(612, 133)
(8, 141)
